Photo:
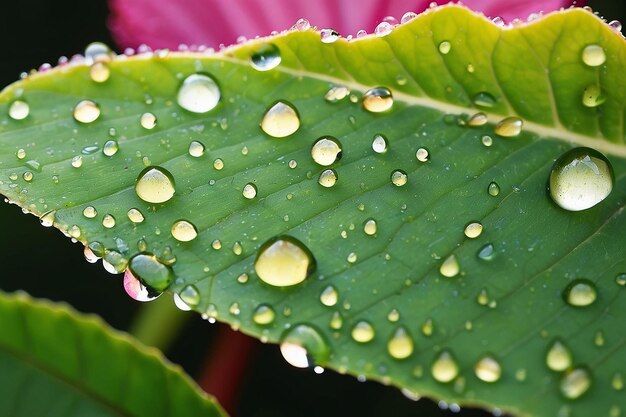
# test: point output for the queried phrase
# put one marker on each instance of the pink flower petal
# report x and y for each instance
(168, 23)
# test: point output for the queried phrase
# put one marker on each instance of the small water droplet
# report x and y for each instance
(265, 57)
(135, 289)
(284, 261)
(478, 119)
(328, 178)
(493, 189)
(483, 297)
(148, 121)
(486, 140)
(575, 382)
(488, 369)
(620, 279)
(108, 221)
(90, 212)
(303, 346)
(328, 35)
(598, 339)
(242, 278)
(336, 93)
(302, 24)
(180, 304)
(263, 315)
(98, 52)
(473, 230)
(216, 244)
(326, 151)
(47, 219)
(580, 293)
(509, 127)
(280, 120)
(593, 55)
(399, 178)
(19, 110)
(377, 100)
(400, 345)
(21, 153)
(383, 29)
(190, 295)
(184, 231)
(198, 93)
(329, 296)
(592, 96)
(336, 321)
(427, 327)
(407, 17)
(444, 369)
(379, 143)
(487, 252)
(393, 316)
(293, 163)
(352, 257)
(110, 148)
(249, 191)
(196, 149)
(617, 382)
(27, 176)
(135, 216)
(155, 185)
(218, 164)
(484, 99)
(237, 248)
(558, 357)
(86, 111)
(152, 273)
(450, 267)
(363, 332)
(99, 72)
(616, 25)
(422, 155)
(444, 47)
(370, 227)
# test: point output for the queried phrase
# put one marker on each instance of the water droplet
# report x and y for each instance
(479, 119)
(592, 96)
(379, 143)
(155, 185)
(473, 230)
(575, 383)
(303, 346)
(399, 178)
(580, 179)
(198, 93)
(302, 24)
(19, 110)
(148, 121)
(329, 296)
(218, 164)
(593, 55)
(110, 148)
(90, 212)
(328, 35)
(444, 47)
(293, 163)
(249, 191)
(328, 178)
(21, 153)
(184, 231)
(99, 72)
(363, 332)
(280, 120)
(336, 321)
(352, 257)
(190, 295)
(444, 368)
(377, 100)
(620, 279)
(86, 111)
(427, 327)
(450, 267)
(336, 93)
(242, 278)
(263, 315)
(422, 154)
(580, 293)
(196, 149)
(237, 248)
(234, 309)
(284, 261)
(488, 369)
(393, 316)
(152, 273)
(370, 227)
(108, 221)
(509, 127)
(383, 29)
(74, 231)
(266, 57)
(180, 304)
(98, 52)
(493, 189)
(400, 345)
(598, 339)
(135, 289)
(616, 25)
(484, 99)
(135, 216)
(617, 382)
(28, 176)
(407, 17)
(47, 219)
(486, 140)
(483, 297)
(326, 151)
(216, 244)
(558, 357)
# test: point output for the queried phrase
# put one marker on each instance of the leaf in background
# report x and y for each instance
(55, 362)
(396, 169)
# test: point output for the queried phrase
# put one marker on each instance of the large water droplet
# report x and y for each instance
(266, 57)
(328, 35)
(148, 121)
(196, 149)
(400, 345)
(280, 120)
(444, 369)
(249, 191)
(473, 230)
(370, 227)
(184, 231)
(363, 332)
(99, 72)
(98, 52)
(198, 93)
(377, 100)
(593, 55)
(575, 383)
(328, 178)
(326, 150)
(329, 296)
(303, 346)
(488, 369)
(135, 216)
(399, 178)
(509, 127)
(444, 47)
(580, 293)
(135, 289)
(108, 221)
(580, 179)
(450, 267)
(478, 119)
(110, 148)
(155, 185)
(152, 273)
(19, 110)
(379, 143)
(263, 315)
(86, 111)
(383, 29)
(422, 154)
(558, 357)
(284, 261)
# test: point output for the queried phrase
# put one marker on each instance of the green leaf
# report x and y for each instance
(56, 362)
(508, 305)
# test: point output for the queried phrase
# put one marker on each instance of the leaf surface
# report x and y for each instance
(508, 306)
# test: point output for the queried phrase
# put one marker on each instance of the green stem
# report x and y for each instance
(158, 322)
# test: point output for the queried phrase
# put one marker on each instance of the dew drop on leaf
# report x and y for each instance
(329, 296)
(284, 261)
(383, 29)
(218, 164)
(450, 267)
(486, 141)
(370, 227)
(393, 315)
(422, 154)
(328, 35)
(336, 93)
(400, 345)
(19, 110)
(265, 57)
(152, 273)
(620, 279)
(280, 120)
(484, 99)
(263, 315)
(99, 72)
(509, 127)
(379, 143)
(190, 295)
(237, 248)
(198, 93)
(326, 150)
(135, 289)
(47, 219)
(184, 231)
(180, 304)
(303, 346)
(98, 52)
(593, 55)
(155, 185)
(444, 368)
(363, 332)
(592, 96)
(196, 149)
(21, 153)
(617, 382)
(488, 369)
(108, 221)
(336, 321)
(427, 327)
(558, 357)
(407, 17)
(444, 47)
(575, 382)
(399, 178)
(328, 178)
(135, 216)
(110, 148)
(478, 119)
(302, 24)
(216, 244)
(27, 176)
(487, 252)
(580, 293)
(493, 189)
(249, 191)
(148, 121)
(90, 212)
(86, 111)
(376, 100)
(616, 25)
(473, 230)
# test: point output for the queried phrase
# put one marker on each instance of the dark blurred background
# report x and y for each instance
(44, 263)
